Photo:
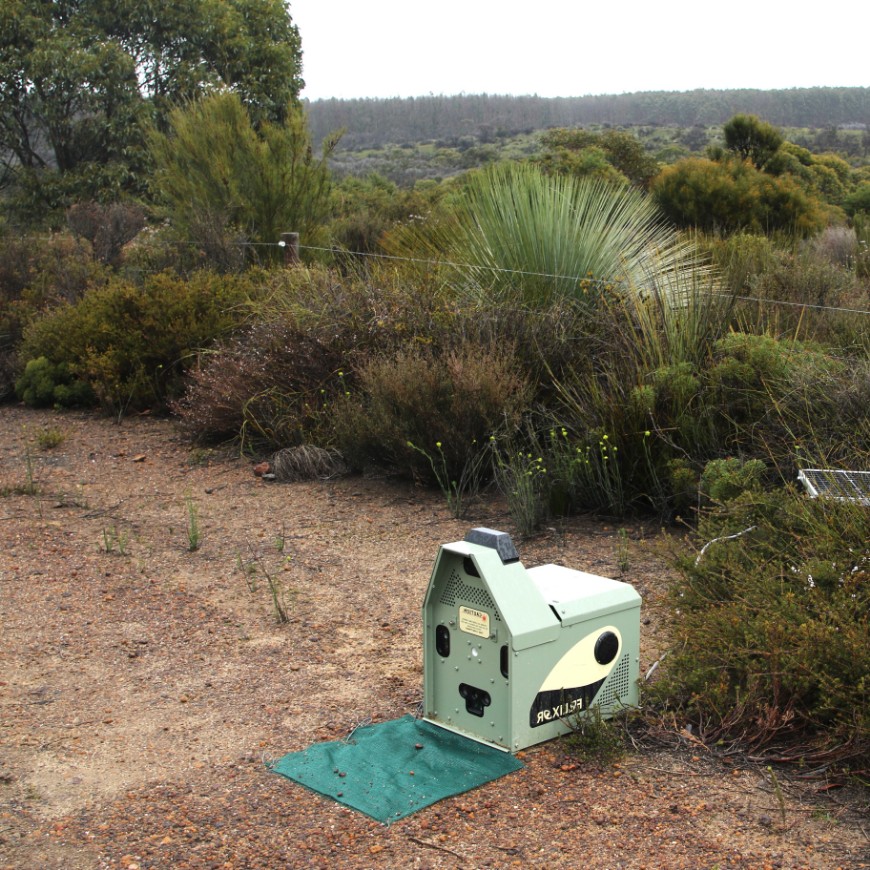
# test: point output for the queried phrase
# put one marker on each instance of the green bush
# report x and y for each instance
(752, 396)
(724, 479)
(741, 257)
(37, 273)
(859, 200)
(770, 622)
(794, 287)
(223, 176)
(132, 344)
(771, 396)
(44, 384)
(732, 196)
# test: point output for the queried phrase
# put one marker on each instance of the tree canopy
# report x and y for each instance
(80, 80)
(218, 174)
(752, 139)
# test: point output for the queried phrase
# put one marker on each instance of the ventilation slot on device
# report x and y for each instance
(617, 686)
(458, 590)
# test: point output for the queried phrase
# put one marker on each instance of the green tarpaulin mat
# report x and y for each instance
(392, 769)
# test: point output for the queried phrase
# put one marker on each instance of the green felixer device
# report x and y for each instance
(511, 656)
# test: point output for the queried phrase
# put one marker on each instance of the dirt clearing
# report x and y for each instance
(145, 678)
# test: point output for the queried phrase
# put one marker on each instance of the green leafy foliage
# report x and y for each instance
(224, 180)
(763, 400)
(733, 196)
(44, 384)
(522, 479)
(724, 479)
(79, 84)
(66, 93)
(612, 155)
(752, 139)
(365, 209)
(36, 274)
(132, 344)
(770, 622)
(859, 200)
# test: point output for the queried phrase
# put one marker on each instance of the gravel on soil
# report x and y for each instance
(146, 679)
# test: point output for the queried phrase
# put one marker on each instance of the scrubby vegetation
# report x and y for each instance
(583, 329)
(771, 625)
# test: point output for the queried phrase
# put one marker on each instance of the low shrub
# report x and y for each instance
(37, 273)
(724, 479)
(420, 402)
(769, 630)
(740, 257)
(770, 396)
(752, 396)
(132, 344)
(366, 311)
(789, 287)
(268, 385)
(44, 384)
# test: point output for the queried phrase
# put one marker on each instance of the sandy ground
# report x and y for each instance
(144, 682)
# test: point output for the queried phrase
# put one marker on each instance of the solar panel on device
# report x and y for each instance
(832, 483)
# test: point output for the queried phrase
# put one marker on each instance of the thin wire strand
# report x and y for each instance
(797, 304)
(562, 277)
(469, 266)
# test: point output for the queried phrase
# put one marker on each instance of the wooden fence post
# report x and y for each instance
(290, 242)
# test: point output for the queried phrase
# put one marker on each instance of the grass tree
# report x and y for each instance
(518, 235)
(517, 238)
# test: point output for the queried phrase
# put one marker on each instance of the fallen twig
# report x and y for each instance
(435, 846)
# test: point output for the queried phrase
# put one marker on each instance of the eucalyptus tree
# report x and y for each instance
(81, 80)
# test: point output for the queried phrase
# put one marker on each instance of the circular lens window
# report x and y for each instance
(606, 648)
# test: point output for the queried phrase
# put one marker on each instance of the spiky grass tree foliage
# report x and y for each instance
(517, 235)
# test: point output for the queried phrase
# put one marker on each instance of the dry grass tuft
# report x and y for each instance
(307, 462)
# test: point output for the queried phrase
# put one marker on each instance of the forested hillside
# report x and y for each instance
(374, 122)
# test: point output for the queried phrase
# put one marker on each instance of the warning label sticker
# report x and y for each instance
(474, 622)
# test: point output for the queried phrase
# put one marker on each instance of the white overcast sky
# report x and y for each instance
(408, 48)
